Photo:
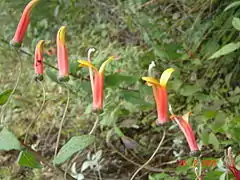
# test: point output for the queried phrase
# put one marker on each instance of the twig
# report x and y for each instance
(155, 152)
(40, 111)
(147, 4)
(95, 125)
(15, 87)
(136, 164)
(49, 65)
(61, 123)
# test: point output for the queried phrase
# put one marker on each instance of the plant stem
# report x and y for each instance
(15, 87)
(40, 111)
(95, 125)
(61, 123)
(148, 161)
(51, 66)
(135, 163)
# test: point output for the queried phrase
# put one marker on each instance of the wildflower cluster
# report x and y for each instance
(97, 81)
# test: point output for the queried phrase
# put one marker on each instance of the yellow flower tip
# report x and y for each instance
(105, 63)
(165, 76)
(84, 63)
(151, 81)
(185, 117)
(61, 34)
(31, 5)
(40, 45)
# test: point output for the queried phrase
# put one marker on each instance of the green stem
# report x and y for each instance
(95, 125)
(61, 123)
(39, 113)
(148, 161)
(14, 89)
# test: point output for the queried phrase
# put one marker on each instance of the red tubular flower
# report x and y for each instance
(62, 55)
(38, 63)
(160, 94)
(230, 164)
(98, 82)
(23, 24)
(186, 128)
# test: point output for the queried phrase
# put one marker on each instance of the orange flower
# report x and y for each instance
(23, 24)
(183, 123)
(38, 63)
(160, 94)
(98, 82)
(62, 55)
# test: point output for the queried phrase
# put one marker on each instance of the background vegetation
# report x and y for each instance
(173, 33)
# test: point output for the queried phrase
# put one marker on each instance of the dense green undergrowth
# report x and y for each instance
(178, 34)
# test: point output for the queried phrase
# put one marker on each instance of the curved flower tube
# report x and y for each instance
(98, 82)
(160, 94)
(62, 55)
(183, 123)
(23, 24)
(230, 164)
(38, 60)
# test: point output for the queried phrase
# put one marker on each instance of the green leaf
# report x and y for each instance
(8, 141)
(4, 96)
(214, 141)
(236, 23)
(157, 176)
(75, 144)
(219, 121)
(212, 175)
(189, 90)
(135, 99)
(204, 136)
(73, 67)
(226, 50)
(232, 5)
(116, 79)
(52, 74)
(209, 114)
(27, 159)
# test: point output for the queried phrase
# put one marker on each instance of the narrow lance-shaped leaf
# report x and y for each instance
(236, 23)
(4, 96)
(232, 5)
(226, 50)
(27, 159)
(75, 144)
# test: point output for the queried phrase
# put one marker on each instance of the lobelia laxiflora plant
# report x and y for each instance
(183, 123)
(38, 60)
(62, 55)
(230, 164)
(23, 24)
(160, 94)
(98, 82)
